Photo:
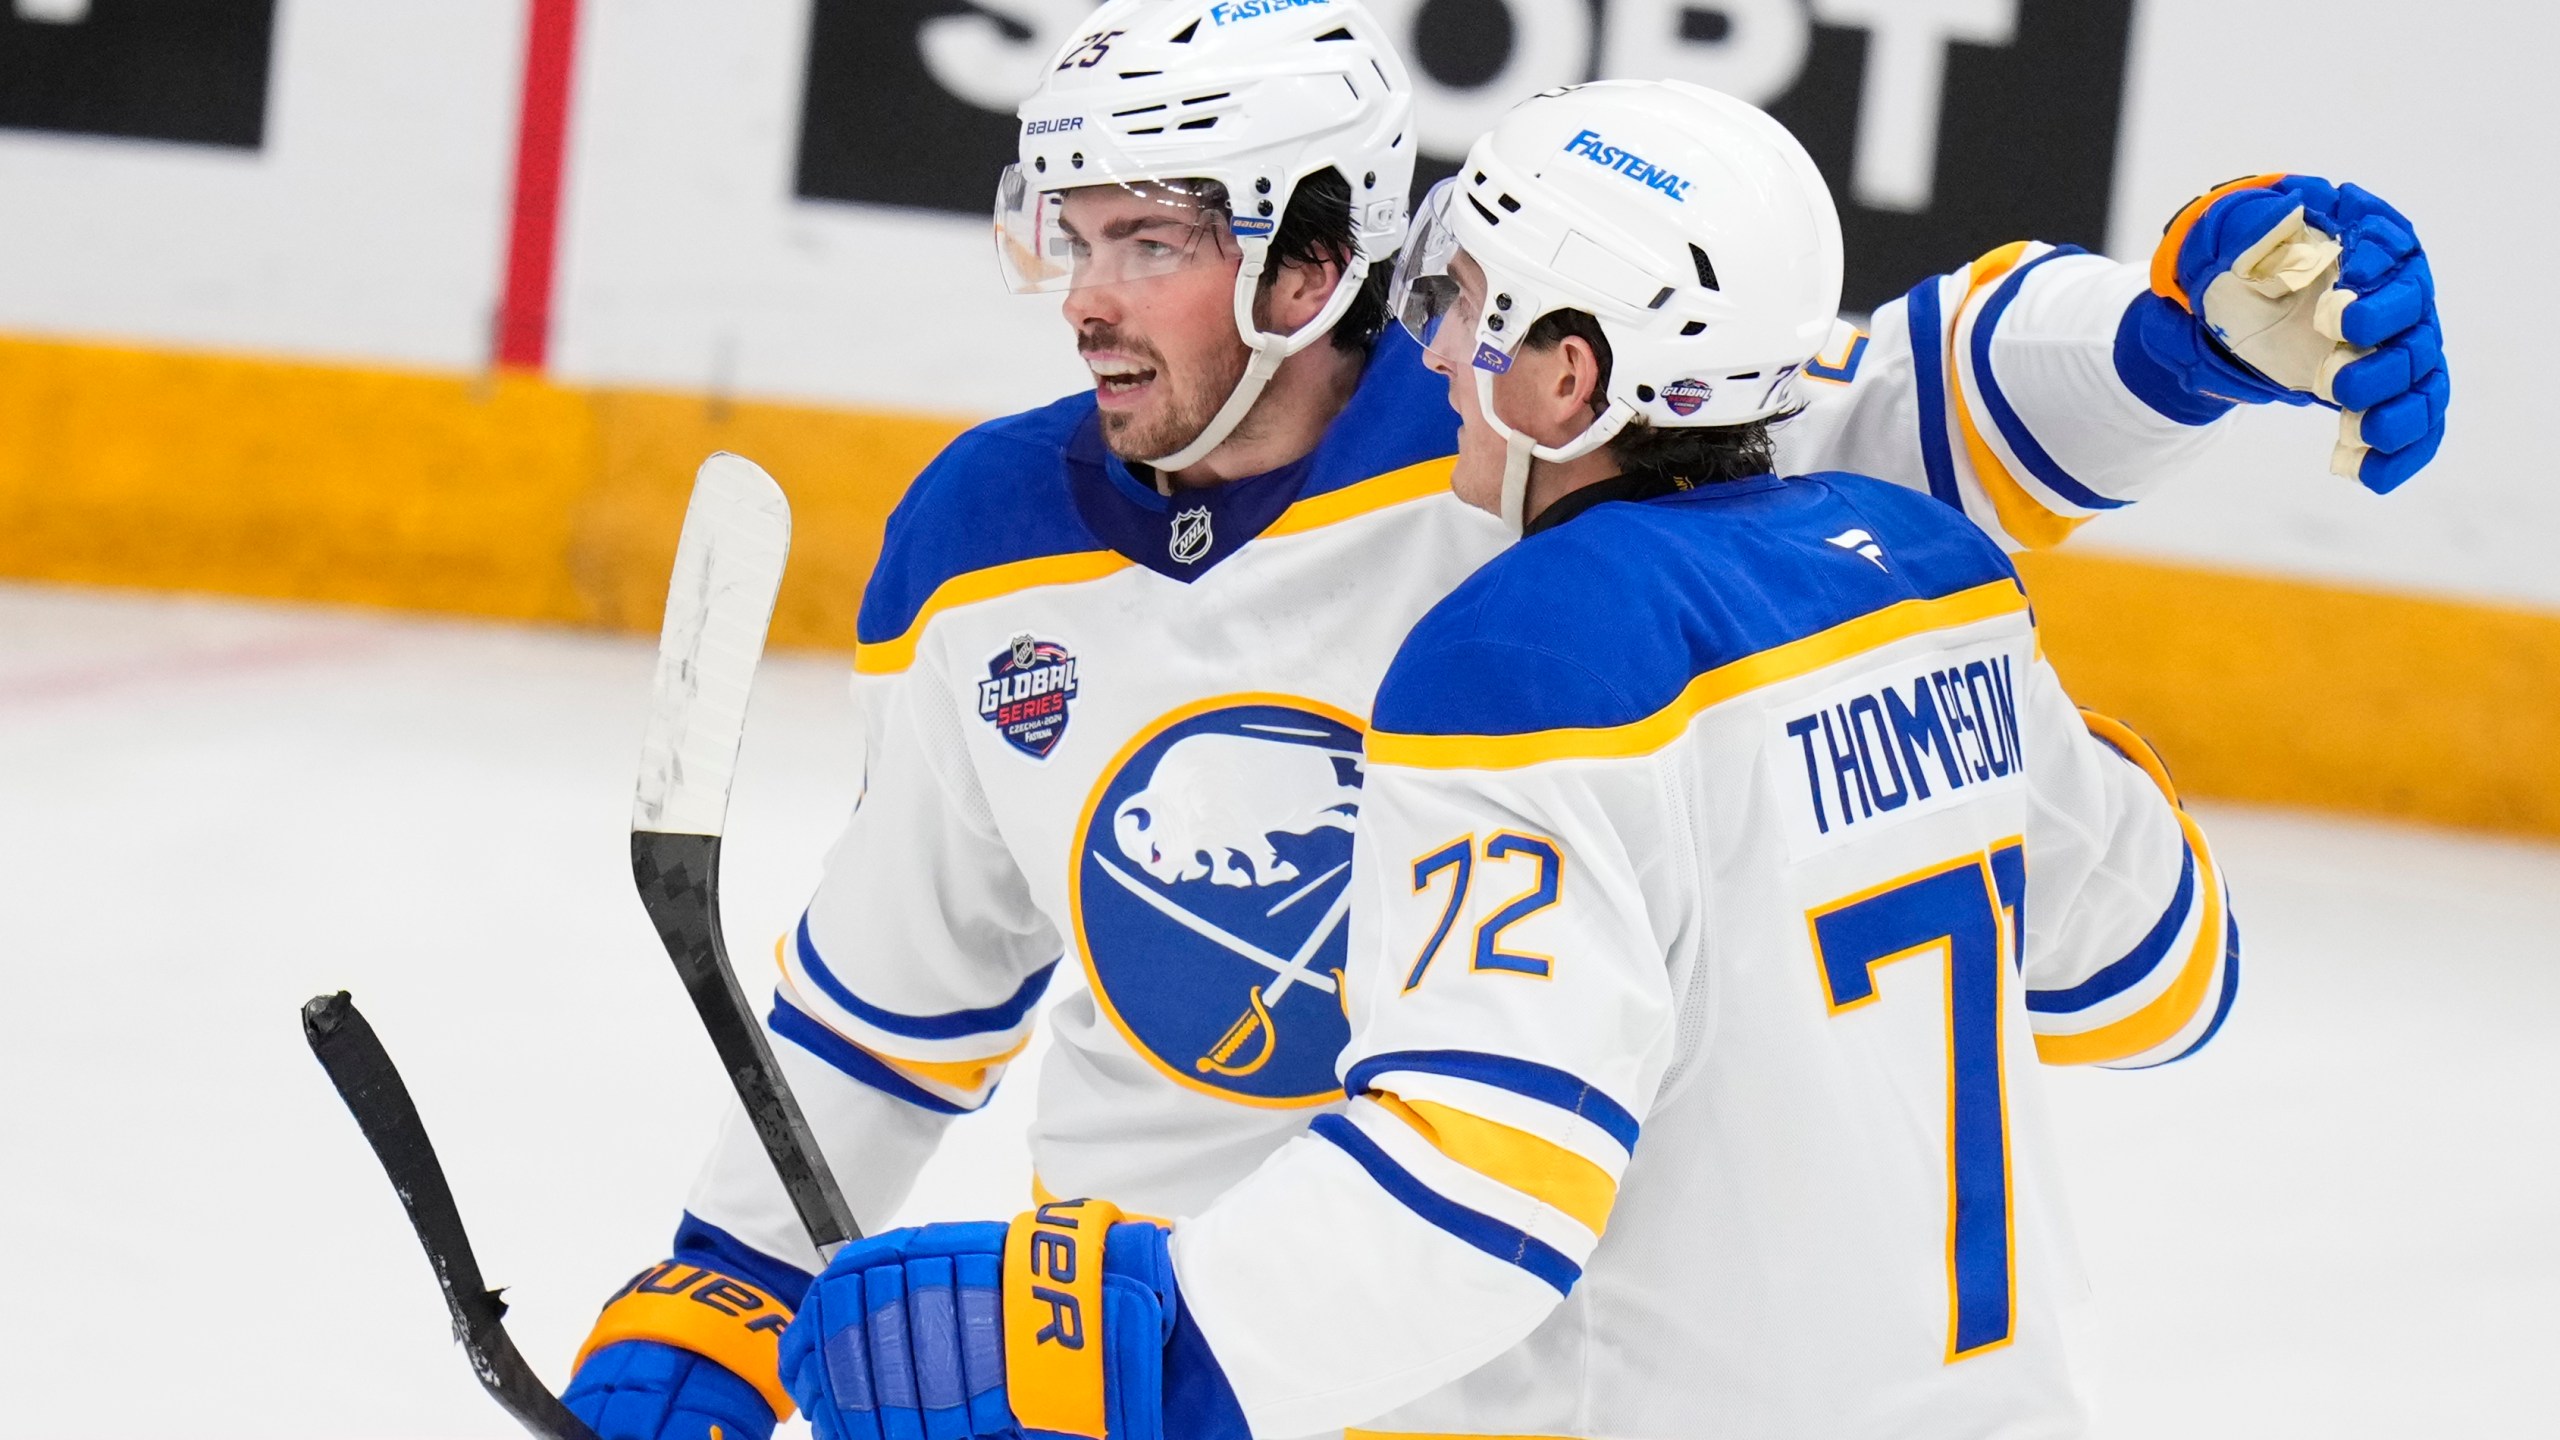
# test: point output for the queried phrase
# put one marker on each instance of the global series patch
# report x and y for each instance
(1026, 694)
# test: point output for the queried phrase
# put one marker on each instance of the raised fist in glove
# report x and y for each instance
(1065, 1322)
(682, 1352)
(2285, 287)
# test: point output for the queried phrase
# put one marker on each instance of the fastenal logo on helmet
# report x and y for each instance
(1228, 12)
(1591, 147)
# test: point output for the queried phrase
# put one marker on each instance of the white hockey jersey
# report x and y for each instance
(1727, 860)
(1122, 733)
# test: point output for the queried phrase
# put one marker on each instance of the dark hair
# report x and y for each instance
(1316, 229)
(1701, 453)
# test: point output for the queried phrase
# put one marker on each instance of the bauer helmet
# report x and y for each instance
(1170, 97)
(1693, 227)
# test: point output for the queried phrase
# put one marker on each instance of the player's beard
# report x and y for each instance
(1187, 397)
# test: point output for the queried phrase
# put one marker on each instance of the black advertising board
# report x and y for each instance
(193, 71)
(1946, 127)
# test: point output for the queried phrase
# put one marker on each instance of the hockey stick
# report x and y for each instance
(370, 1085)
(737, 535)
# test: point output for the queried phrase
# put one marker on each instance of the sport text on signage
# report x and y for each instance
(1945, 127)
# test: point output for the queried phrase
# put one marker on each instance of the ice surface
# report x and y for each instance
(2343, 1220)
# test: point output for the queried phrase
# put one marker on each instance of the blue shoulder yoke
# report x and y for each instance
(994, 496)
(1607, 618)
(1040, 483)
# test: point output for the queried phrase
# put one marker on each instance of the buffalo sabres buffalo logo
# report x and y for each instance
(1026, 692)
(1211, 885)
(1190, 534)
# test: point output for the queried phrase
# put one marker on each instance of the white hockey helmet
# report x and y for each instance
(1694, 228)
(1250, 95)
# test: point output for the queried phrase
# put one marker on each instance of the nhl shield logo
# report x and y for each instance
(1026, 693)
(1191, 538)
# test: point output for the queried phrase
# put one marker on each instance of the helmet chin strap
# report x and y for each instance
(1269, 351)
(1519, 449)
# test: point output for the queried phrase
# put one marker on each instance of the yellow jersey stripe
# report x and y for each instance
(2169, 1012)
(1413, 482)
(961, 1075)
(1530, 1164)
(2028, 520)
(2133, 747)
(892, 657)
(1790, 661)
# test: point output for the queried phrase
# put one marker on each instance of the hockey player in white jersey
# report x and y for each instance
(1119, 653)
(1728, 855)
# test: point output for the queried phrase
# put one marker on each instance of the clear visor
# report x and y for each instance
(1437, 293)
(1109, 232)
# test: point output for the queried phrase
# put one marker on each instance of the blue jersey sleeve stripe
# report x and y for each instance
(792, 1023)
(995, 1019)
(2222, 1007)
(1921, 320)
(1516, 1247)
(1545, 1083)
(2013, 427)
(2123, 974)
(699, 1242)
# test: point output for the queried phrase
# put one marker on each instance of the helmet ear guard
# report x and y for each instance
(1519, 449)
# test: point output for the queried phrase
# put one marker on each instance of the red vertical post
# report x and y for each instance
(542, 137)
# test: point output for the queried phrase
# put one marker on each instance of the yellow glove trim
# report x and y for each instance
(2164, 261)
(724, 1320)
(1053, 1352)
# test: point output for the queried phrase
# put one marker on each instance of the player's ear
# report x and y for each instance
(1577, 377)
(1297, 292)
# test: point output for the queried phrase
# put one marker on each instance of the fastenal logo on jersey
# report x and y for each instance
(1026, 692)
(1591, 147)
(1211, 888)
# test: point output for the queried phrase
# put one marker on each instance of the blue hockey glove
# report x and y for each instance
(2287, 288)
(682, 1353)
(1065, 1322)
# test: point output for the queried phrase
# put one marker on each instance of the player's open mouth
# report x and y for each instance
(1117, 380)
